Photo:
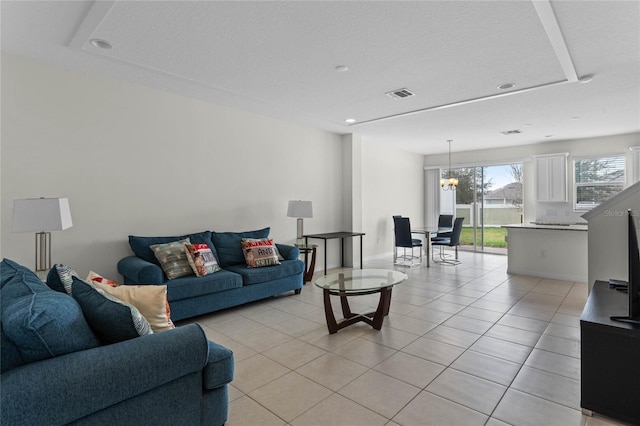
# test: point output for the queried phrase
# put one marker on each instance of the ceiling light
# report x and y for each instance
(342, 68)
(575, 118)
(586, 78)
(548, 136)
(101, 44)
(506, 86)
(451, 183)
(350, 120)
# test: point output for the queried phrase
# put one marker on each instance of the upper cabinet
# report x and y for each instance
(551, 178)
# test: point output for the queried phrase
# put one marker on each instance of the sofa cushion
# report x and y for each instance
(111, 319)
(9, 353)
(8, 270)
(252, 276)
(229, 248)
(260, 252)
(140, 245)
(40, 322)
(201, 259)
(173, 258)
(186, 287)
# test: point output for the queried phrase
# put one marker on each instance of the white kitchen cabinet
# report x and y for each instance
(551, 178)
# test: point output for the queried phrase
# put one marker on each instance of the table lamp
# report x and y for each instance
(300, 209)
(42, 215)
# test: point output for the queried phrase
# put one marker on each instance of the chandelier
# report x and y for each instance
(451, 183)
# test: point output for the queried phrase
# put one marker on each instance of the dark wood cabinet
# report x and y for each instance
(610, 356)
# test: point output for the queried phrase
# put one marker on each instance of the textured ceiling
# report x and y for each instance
(279, 59)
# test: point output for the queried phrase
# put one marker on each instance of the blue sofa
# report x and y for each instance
(55, 370)
(233, 285)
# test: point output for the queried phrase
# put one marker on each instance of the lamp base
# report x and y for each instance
(299, 238)
(43, 251)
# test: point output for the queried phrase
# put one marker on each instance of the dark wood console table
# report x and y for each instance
(610, 356)
(331, 235)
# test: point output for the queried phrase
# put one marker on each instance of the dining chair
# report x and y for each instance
(402, 233)
(452, 241)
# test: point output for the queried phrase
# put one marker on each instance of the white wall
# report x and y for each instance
(392, 183)
(562, 212)
(133, 160)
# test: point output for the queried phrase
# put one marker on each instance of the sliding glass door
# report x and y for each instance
(488, 197)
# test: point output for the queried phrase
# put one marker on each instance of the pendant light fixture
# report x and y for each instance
(451, 183)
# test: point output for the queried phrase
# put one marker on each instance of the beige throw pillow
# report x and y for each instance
(150, 300)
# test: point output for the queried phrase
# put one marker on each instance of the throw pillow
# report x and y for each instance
(60, 278)
(40, 323)
(201, 259)
(94, 278)
(259, 252)
(228, 245)
(151, 300)
(110, 318)
(141, 245)
(173, 258)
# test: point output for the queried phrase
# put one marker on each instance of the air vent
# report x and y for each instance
(400, 94)
(511, 132)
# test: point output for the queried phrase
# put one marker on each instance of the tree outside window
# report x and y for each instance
(597, 179)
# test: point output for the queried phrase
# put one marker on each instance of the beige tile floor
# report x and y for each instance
(462, 345)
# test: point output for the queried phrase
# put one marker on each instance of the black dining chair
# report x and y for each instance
(402, 233)
(444, 221)
(452, 241)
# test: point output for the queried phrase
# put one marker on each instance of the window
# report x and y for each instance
(597, 179)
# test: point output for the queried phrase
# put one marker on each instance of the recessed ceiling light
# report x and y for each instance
(101, 44)
(586, 78)
(575, 118)
(350, 120)
(506, 86)
(548, 136)
(342, 68)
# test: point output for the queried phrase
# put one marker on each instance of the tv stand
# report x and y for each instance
(610, 367)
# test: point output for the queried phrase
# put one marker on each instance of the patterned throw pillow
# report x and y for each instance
(151, 300)
(173, 258)
(201, 259)
(111, 319)
(259, 252)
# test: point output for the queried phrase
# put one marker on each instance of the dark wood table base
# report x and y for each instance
(374, 319)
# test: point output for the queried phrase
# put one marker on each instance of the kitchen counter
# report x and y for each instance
(557, 251)
(548, 225)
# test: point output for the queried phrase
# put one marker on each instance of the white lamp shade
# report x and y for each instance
(41, 214)
(299, 208)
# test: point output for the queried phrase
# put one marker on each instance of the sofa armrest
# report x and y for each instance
(288, 252)
(66, 388)
(136, 270)
(220, 367)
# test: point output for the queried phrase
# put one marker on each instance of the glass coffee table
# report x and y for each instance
(358, 282)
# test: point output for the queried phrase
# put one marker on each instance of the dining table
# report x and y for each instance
(427, 232)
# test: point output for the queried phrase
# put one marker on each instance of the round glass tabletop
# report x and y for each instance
(358, 280)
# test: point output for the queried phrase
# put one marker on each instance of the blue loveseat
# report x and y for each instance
(56, 371)
(233, 285)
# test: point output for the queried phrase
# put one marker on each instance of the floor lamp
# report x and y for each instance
(41, 215)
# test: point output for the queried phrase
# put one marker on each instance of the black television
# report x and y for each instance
(633, 286)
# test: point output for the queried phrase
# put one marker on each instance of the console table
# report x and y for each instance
(610, 356)
(331, 235)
